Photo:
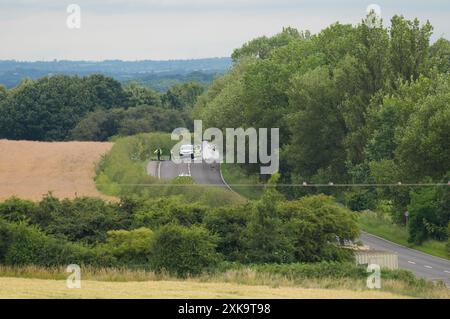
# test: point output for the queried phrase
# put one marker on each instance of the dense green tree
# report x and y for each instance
(141, 95)
(440, 55)
(103, 124)
(182, 95)
(3, 93)
(409, 49)
(98, 125)
(429, 214)
(261, 47)
(424, 143)
(48, 108)
(222, 104)
(318, 127)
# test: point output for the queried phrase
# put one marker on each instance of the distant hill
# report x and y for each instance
(157, 74)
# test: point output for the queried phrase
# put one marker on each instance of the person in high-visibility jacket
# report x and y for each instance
(158, 153)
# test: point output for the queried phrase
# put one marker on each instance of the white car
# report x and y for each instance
(187, 150)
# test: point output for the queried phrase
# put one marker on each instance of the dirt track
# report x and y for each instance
(29, 170)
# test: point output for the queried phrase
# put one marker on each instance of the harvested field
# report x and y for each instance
(40, 288)
(30, 170)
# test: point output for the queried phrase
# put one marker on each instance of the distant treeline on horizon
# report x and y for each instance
(158, 74)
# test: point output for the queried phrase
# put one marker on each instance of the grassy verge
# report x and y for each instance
(240, 182)
(380, 224)
(310, 276)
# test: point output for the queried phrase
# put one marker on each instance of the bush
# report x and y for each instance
(230, 225)
(14, 209)
(27, 245)
(131, 247)
(429, 214)
(5, 239)
(184, 251)
(359, 200)
(82, 219)
(311, 229)
(160, 212)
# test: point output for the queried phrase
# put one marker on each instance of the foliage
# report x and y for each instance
(95, 107)
(132, 247)
(382, 225)
(100, 125)
(355, 104)
(48, 108)
(429, 214)
(27, 245)
(183, 250)
(182, 95)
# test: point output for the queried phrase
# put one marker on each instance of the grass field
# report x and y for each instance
(380, 225)
(29, 170)
(44, 288)
(41, 282)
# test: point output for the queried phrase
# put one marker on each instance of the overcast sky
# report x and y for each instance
(178, 29)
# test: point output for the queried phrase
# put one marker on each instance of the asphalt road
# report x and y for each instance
(202, 173)
(421, 264)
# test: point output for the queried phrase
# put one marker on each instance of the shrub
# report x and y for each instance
(429, 214)
(28, 245)
(230, 225)
(319, 227)
(4, 239)
(131, 247)
(359, 200)
(160, 212)
(183, 250)
(82, 219)
(267, 239)
(15, 209)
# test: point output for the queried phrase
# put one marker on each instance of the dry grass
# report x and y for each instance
(42, 288)
(29, 170)
(244, 283)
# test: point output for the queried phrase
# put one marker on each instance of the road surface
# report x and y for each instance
(421, 264)
(201, 173)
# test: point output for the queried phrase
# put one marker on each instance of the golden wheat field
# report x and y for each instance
(29, 170)
(43, 288)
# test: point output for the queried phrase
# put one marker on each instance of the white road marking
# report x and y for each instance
(411, 262)
(448, 272)
(428, 267)
(189, 169)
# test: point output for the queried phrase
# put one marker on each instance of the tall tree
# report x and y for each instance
(409, 48)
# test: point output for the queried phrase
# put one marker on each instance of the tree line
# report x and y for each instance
(355, 104)
(96, 107)
(172, 234)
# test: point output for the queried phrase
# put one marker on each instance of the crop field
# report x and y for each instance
(43, 288)
(29, 170)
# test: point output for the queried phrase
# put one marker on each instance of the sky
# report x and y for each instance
(34, 30)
